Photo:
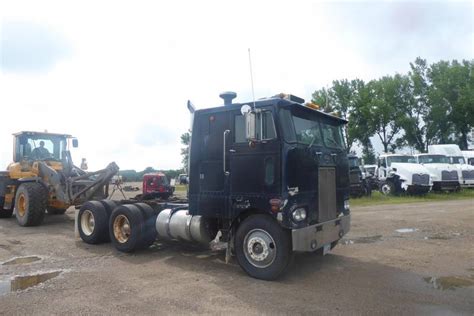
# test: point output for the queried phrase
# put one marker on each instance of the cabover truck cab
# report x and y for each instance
(271, 176)
(357, 177)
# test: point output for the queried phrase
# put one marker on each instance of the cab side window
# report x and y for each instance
(266, 126)
(239, 129)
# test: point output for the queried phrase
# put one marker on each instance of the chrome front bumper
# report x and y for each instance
(310, 238)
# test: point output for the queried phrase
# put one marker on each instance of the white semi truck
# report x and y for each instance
(445, 176)
(457, 159)
(401, 174)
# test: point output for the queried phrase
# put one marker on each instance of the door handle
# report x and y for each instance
(232, 150)
(224, 153)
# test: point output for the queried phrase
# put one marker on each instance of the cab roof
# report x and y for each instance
(271, 101)
(30, 133)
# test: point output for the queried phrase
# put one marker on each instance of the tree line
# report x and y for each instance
(430, 104)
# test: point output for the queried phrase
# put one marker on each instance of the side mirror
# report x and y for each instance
(75, 143)
(250, 122)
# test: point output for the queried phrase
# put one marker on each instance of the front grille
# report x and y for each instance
(468, 174)
(327, 194)
(449, 175)
(420, 179)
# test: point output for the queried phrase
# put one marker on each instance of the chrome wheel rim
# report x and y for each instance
(87, 222)
(122, 229)
(386, 189)
(259, 248)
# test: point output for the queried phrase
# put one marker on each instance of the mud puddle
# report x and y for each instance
(21, 260)
(23, 282)
(450, 282)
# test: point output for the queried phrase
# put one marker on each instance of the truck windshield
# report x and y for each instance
(433, 159)
(353, 162)
(458, 160)
(400, 159)
(309, 129)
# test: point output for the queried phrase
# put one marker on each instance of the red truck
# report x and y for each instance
(156, 185)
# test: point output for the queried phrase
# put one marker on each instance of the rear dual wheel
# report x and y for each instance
(132, 227)
(93, 221)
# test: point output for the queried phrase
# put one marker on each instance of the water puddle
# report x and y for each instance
(24, 282)
(450, 282)
(362, 240)
(406, 230)
(21, 260)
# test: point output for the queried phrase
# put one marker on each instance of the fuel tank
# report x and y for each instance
(179, 225)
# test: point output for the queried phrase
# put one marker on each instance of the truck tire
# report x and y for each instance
(262, 247)
(126, 227)
(92, 223)
(387, 188)
(4, 213)
(56, 211)
(30, 204)
(150, 233)
(109, 207)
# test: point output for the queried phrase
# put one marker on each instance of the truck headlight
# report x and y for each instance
(299, 214)
(346, 205)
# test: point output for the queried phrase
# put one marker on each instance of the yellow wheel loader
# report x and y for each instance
(43, 178)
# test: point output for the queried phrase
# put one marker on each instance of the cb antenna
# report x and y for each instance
(251, 79)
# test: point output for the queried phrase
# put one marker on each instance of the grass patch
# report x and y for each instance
(378, 198)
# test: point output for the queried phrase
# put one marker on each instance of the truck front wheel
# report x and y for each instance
(387, 188)
(262, 247)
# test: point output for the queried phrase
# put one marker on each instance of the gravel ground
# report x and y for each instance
(427, 267)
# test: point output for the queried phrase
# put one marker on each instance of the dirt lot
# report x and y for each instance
(425, 268)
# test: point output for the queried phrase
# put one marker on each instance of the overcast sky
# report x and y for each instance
(117, 74)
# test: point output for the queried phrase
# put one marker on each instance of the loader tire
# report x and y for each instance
(127, 228)
(56, 211)
(4, 213)
(150, 234)
(30, 204)
(92, 223)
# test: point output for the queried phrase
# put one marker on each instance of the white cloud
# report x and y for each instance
(133, 66)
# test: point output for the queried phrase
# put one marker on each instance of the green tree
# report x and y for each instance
(415, 123)
(322, 98)
(185, 140)
(387, 109)
(451, 97)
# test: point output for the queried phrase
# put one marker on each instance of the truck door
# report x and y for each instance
(254, 169)
(207, 187)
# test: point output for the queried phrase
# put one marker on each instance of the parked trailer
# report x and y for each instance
(271, 176)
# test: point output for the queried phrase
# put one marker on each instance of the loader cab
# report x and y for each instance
(32, 146)
(274, 156)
